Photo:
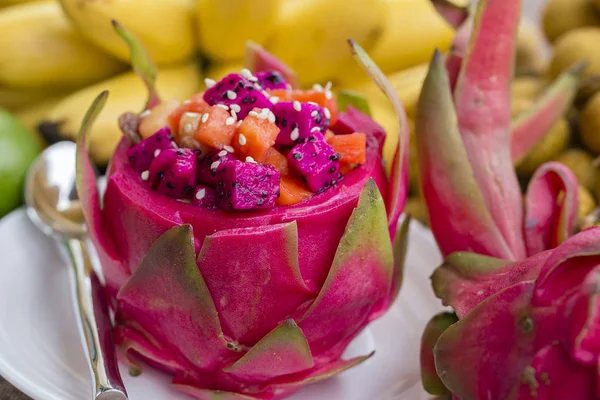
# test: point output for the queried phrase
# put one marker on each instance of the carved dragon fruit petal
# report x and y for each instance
(142, 64)
(454, 14)
(257, 59)
(482, 99)
(283, 351)
(168, 297)
(567, 267)
(459, 217)
(205, 394)
(399, 174)
(435, 327)
(553, 375)
(533, 125)
(466, 279)
(550, 207)
(456, 55)
(261, 285)
(360, 277)
(497, 335)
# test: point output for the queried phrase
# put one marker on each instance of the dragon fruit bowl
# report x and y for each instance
(244, 247)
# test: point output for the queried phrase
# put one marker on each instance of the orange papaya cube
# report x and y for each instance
(256, 135)
(280, 94)
(352, 148)
(324, 98)
(292, 191)
(278, 160)
(194, 105)
(216, 128)
(329, 135)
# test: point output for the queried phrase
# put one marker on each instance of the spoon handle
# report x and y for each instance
(94, 324)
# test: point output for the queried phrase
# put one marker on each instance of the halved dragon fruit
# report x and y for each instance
(142, 154)
(207, 168)
(271, 80)
(246, 185)
(235, 89)
(298, 121)
(316, 161)
(173, 172)
(205, 197)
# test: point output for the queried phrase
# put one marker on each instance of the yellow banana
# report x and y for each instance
(33, 115)
(5, 3)
(224, 26)
(17, 98)
(165, 27)
(126, 93)
(41, 49)
(310, 35)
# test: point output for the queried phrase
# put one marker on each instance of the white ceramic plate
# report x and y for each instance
(40, 351)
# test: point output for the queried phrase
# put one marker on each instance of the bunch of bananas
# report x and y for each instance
(57, 54)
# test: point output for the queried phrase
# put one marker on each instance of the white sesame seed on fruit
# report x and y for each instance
(230, 121)
(231, 95)
(144, 113)
(314, 113)
(317, 87)
(223, 106)
(328, 94)
(253, 113)
(327, 113)
(242, 139)
(174, 145)
(271, 117)
(239, 123)
(236, 108)
(222, 153)
(200, 194)
(313, 103)
(315, 129)
(295, 134)
(297, 105)
(328, 86)
(188, 128)
(274, 99)
(187, 102)
(233, 115)
(204, 117)
(253, 79)
(156, 152)
(228, 148)
(246, 73)
(145, 175)
(215, 165)
(209, 82)
(190, 114)
(250, 159)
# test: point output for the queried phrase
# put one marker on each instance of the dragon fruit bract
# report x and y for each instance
(250, 305)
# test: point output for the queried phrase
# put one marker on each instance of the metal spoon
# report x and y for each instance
(53, 206)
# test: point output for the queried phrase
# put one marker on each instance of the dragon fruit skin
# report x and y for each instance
(235, 89)
(142, 154)
(293, 264)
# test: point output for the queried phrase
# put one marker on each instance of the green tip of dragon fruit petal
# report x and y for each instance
(435, 327)
(400, 249)
(454, 14)
(357, 100)
(282, 351)
(142, 63)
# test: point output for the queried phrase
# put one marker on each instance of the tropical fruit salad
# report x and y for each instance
(245, 235)
(248, 142)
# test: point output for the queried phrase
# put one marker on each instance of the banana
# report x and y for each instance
(224, 26)
(31, 116)
(5, 3)
(310, 35)
(14, 99)
(126, 93)
(41, 49)
(165, 27)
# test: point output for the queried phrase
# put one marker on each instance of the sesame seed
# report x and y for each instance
(204, 117)
(253, 79)
(187, 102)
(188, 128)
(271, 117)
(223, 106)
(231, 95)
(236, 108)
(156, 152)
(297, 105)
(209, 82)
(295, 134)
(327, 113)
(215, 165)
(242, 139)
(314, 113)
(228, 148)
(145, 175)
(313, 103)
(144, 113)
(328, 85)
(317, 87)
(234, 115)
(315, 129)
(222, 153)
(253, 113)
(187, 201)
(328, 94)
(174, 145)
(274, 99)
(246, 73)
(250, 159)
(230, 121)
(239, 123)
(191, 115)
(200, 194)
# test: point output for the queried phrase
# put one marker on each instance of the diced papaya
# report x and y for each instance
(324, 98)
(157, 118)
(216, 128)
(255, 136)
(352, 148)
(187, 129)
(345, 168)
(195, 105)
(281, 94)
(278, 160)
(292, 192)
